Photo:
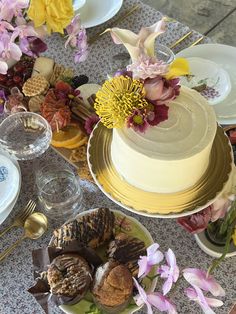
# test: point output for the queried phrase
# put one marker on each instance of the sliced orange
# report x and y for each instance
(69, 135)
(79, 143)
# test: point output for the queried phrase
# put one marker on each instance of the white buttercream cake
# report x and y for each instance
(173, 155)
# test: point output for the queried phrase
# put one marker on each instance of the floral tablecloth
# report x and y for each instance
(16, 274)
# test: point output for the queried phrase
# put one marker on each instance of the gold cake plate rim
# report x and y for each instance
(157, 205)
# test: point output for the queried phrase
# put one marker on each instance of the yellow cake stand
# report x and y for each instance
(171, 205)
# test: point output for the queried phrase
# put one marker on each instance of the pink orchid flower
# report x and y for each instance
(197, 295)
(12, 8)
(154, 257)
(5, 27)
(141, 43)
(8, 50)
(155, 299)
(169, 271)
(199, 278)
(73, 30)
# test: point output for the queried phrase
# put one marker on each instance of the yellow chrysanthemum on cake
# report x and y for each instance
(117, 99)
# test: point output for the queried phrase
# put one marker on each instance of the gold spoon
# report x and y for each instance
(35, 226)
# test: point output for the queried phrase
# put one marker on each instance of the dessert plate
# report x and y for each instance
(157, 205)
(208, 78)
(6, 212)
(9, 182)
(225, 57)
(212, 249)
(132, 227)
(96, 12)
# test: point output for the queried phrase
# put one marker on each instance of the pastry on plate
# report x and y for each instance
(112, 287)
(127, 250)
(69, 275)
(92, 229)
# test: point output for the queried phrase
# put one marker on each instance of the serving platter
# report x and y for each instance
(225, 57)
(132, 227)
(157, 205)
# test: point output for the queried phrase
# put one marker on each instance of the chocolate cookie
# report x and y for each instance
(127, 250)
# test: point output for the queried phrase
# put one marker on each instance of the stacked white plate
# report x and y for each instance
(10, 184)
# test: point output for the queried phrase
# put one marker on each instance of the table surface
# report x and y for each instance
(16, 271)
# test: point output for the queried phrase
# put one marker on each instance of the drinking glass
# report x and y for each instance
(26, 135)
(164, 53)
(59, 192)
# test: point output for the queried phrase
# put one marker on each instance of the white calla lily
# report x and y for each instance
(141, 43)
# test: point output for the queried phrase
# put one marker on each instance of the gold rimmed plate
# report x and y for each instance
(159, 205)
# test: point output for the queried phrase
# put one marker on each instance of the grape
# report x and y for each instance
(79, 80)
(9, 83)
(10, 73)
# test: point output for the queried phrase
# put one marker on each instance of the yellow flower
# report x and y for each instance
(57, 14)
(234, 237)
(117, 99)
(178, 67)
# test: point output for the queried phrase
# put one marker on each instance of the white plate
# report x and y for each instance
(4, 214)
(136, 230)
(9, 182)
(209, 74)
(96, 12)
(224, 56)
(212, 249)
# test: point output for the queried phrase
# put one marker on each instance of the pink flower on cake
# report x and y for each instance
(154, 257)
(155, 299)
(169, 271)
(160, 90)
(138, 120)
(159, 114)
(147, 67)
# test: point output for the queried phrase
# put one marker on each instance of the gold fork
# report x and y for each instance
(21, 217)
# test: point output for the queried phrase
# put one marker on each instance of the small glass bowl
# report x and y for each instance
(164, 53)
(26, 135)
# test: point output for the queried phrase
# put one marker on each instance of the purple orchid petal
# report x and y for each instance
(196, 294)
(141, 291)
(152, 248)
(200, 279)
(144, 268)
(167, 286)
(162, 303)
(156, 258)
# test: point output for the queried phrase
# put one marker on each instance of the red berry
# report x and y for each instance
(3, 78)
(19, 68)
(17, 79)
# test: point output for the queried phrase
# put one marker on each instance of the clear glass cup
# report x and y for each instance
(59, 192)
(26, 135)
(164, 53)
